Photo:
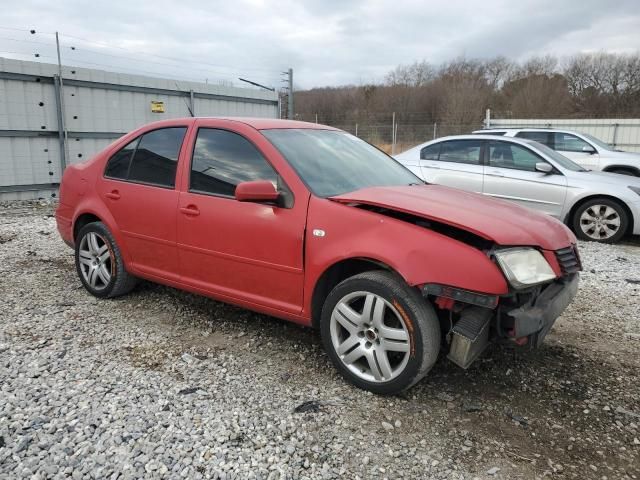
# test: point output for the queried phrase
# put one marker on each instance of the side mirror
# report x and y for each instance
(588, 149)
(544, 167)
(256, 191)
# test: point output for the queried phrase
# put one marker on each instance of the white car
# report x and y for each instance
(596, 205)
(584, 149)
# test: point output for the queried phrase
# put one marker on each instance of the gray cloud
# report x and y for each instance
(327, 42)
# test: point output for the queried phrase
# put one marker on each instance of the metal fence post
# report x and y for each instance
(61, 131)
(356, 129)
(615, 134)
(393, 137)
(435, 129)
(192, 103)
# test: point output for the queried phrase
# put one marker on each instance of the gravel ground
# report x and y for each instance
(164, 384)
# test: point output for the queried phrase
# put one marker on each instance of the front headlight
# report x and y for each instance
(635, 189)
(524, 267)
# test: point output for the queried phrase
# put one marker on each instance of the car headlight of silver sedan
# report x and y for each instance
(635, 189)
(524, 267)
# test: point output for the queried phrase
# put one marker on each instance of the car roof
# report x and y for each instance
(493, 129)
(255, 122)
(477, 136)
(271, 123)
(520, 129)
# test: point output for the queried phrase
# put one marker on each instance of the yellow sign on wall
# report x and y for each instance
(157, 107)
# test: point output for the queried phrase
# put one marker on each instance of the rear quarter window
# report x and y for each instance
(118, 164)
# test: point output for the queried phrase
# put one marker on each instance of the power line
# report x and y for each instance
(228, 73)
(182, 60)
(26, 41)
(81, 50)
(125, 69)
(26, 30)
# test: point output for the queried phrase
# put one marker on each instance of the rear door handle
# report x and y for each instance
(190, 210)
(113, 195)
(432, 166)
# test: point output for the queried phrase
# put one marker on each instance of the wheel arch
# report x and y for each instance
(92, 211)
(82, 220)
(569, 218)
(336, 273)
(628, 168)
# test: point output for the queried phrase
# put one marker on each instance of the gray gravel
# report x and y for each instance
(164, 384)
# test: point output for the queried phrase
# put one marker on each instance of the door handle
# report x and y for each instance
(495, 174)
(433, 166)
(190, 210)
(113, 195)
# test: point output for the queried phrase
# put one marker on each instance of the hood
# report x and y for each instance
(614, 179)
(633, 156)
(501, 222)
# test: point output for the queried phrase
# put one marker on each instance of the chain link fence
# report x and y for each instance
(393, 133)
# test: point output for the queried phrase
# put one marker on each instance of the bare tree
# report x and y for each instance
(457, 92)
(417, 74)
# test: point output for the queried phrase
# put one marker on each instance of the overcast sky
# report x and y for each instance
(326, 42)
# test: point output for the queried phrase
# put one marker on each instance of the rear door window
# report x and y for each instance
(509, 155)
(461, 151)
(546, 138)
(156, 157)
(151, 158)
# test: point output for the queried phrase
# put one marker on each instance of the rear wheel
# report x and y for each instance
(380, 334)
(99, 262)
(600, 220)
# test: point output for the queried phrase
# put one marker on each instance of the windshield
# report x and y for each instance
(598, 142)
(561, 160)
(331, 162)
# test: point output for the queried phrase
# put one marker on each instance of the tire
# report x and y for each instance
(357, 341)
(99, 263)
(600, 220)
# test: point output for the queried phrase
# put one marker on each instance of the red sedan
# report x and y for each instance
(308, 223)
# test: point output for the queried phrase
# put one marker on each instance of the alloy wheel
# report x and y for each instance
(95, 258)
(370, 336)
(600, 222)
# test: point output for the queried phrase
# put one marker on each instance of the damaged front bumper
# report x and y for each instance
(522, 318)
(534, 320)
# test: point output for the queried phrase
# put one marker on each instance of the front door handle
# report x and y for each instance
(190, 210)
(113, 195)
(433, 166)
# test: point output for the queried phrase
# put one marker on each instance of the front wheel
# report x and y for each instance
(380, 334)
(601, 220)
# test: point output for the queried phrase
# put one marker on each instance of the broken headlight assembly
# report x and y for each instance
(524, 267)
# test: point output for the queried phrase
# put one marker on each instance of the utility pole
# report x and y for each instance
(289, 80)
(65, 153)
(290, 94)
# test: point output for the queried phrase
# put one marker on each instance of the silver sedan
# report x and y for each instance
(596, 205)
